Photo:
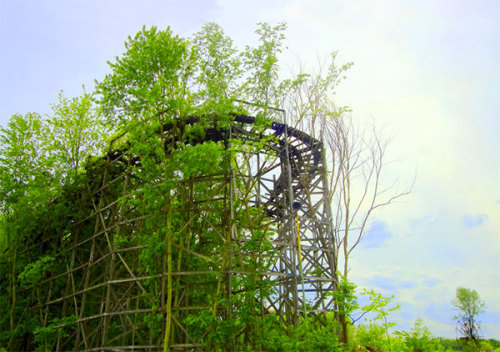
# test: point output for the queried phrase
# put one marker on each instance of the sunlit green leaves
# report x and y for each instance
(24, 161)
(22, 146)
(149, 81)
(262, 63)
(75, 133)
(379, 305)
(345, 297)
(218, 71)
(200, 160)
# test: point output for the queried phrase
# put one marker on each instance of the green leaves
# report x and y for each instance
(149, 82)
(200, 160)
(21, 148)
(346, 301)
(58, 327)
(218, 70)
(75, 133)
(420, 338)
(34, 272)
(37, 155)
(24, 161)
(261, 63)
(468, 301)
(468, 305)
(379, 304)
(345, 297)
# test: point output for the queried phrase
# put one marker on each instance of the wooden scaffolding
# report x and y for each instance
(276, 191)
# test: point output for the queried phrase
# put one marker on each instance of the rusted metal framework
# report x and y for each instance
(105, 286)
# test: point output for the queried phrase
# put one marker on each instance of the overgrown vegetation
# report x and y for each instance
(48, 165)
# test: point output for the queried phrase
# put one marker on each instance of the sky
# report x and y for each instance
(427, 71)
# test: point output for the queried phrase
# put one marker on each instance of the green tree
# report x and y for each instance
(25, 185)
(468, 305)
(22, 156)
(219, 70)
(149, 82)
(262, 84)
(38, 158)
(75, 133)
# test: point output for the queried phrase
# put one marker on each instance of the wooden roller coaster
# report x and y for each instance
(275, 193)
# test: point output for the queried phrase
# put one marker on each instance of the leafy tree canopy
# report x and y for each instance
(468, 305)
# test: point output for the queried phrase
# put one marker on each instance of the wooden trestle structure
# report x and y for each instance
(103, 283)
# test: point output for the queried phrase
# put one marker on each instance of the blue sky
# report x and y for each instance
(428, 71)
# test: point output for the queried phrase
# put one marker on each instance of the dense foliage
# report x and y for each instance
(47, 166)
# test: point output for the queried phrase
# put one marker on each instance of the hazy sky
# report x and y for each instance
(427, 70)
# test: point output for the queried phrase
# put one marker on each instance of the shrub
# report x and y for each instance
(376, 336)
